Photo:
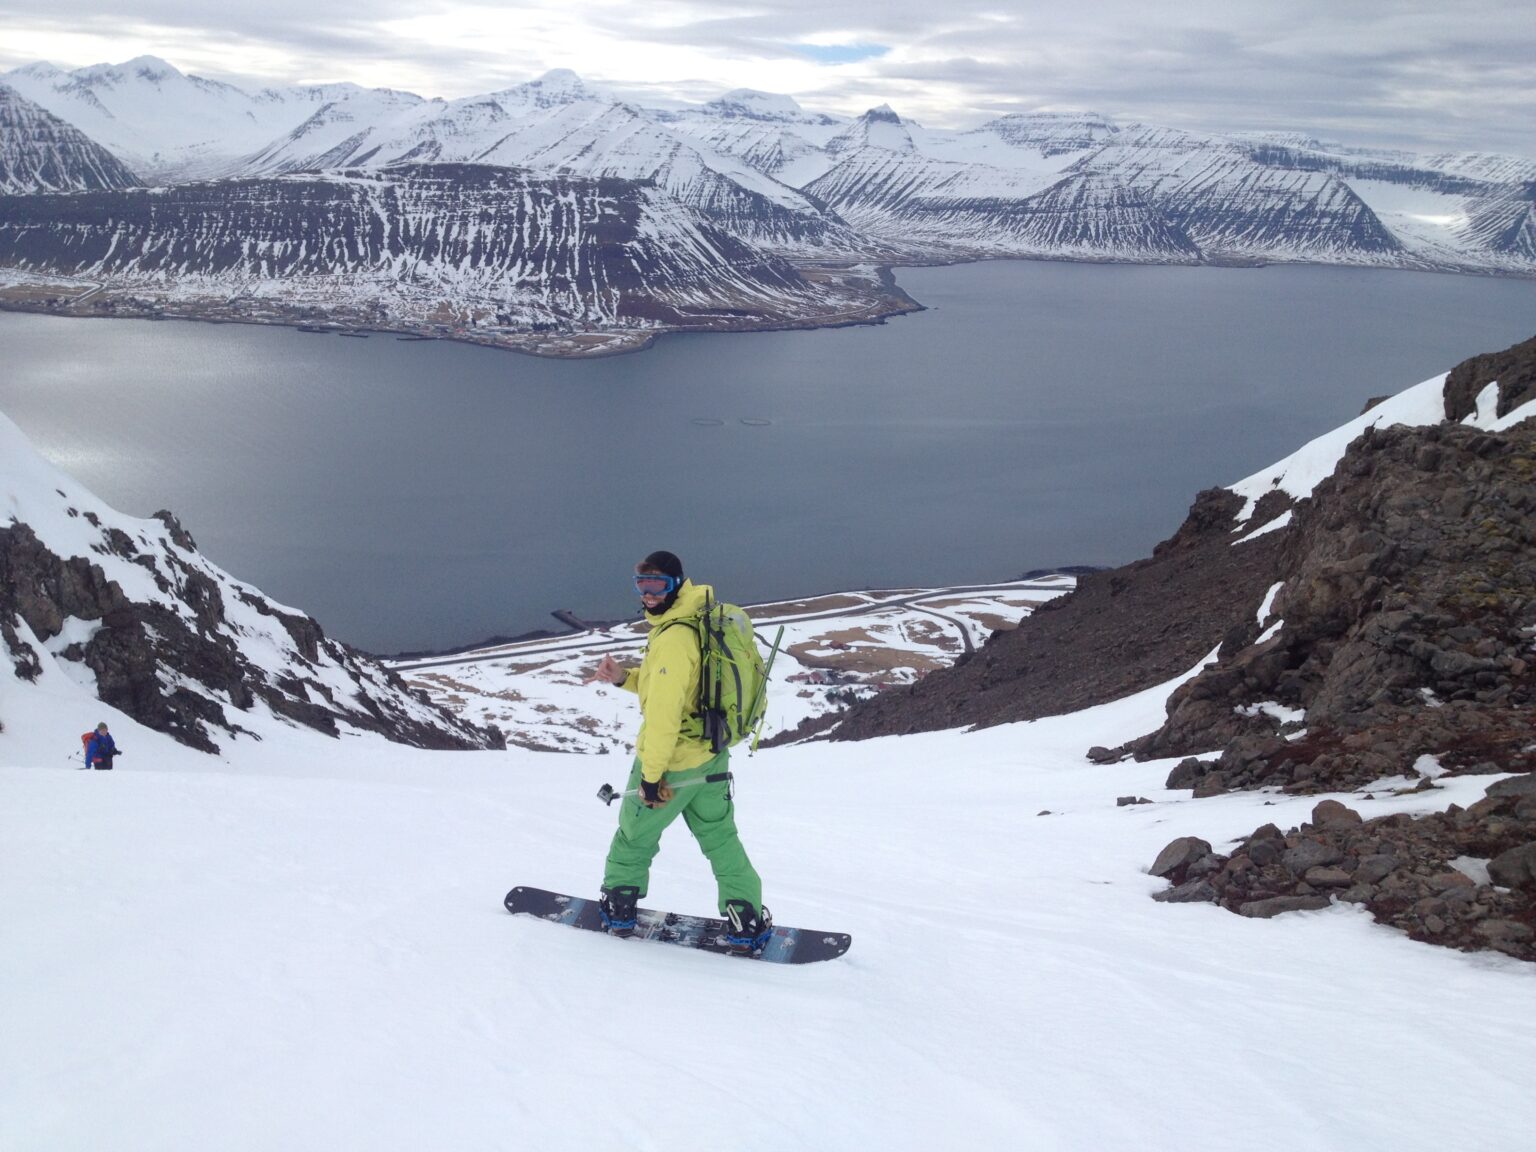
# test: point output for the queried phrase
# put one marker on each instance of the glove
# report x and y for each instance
(654, 793)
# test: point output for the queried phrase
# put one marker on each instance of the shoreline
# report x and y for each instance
(886, 299)
(98, 301)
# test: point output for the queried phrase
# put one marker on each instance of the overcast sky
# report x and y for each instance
(1420, 74)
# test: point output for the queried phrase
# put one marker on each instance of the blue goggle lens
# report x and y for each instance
(652, 584)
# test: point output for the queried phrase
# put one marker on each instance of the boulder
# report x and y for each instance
(1328, 812)
(1328, 878)
(1310, 854)
(1515, 868)
(1175, 859)
(1515, 786)
(1190, 892)
(1274, 905)
(1375, 868)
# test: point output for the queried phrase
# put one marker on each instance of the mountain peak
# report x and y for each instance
(148, 68)
(150, 64)
(557, 86)
(559, 80)
(38, 69)
(878, 128)
(758, 105)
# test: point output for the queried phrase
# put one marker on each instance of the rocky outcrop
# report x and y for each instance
(1406, 617)
(1464, 878)
(1513, 370)
(194, 657)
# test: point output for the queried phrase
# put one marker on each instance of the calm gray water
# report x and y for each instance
(422, 495)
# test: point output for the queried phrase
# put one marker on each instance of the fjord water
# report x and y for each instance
(415, 495)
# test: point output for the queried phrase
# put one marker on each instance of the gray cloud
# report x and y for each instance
(1411, 73)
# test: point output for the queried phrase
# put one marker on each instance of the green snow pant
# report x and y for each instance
(711, 817)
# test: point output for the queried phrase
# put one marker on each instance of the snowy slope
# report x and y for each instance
(41, 153)
(1302, 471)
(299, 944)
(170, 126)
(311, 939)
(771, 133)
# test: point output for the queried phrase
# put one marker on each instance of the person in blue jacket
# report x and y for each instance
(102, 748)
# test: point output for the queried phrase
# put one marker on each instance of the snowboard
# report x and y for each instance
(703, 933)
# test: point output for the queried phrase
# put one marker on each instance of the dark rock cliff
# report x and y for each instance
(1409, 607)
(181, 664)
(560, 249)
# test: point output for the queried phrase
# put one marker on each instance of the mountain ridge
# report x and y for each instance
(836, 198)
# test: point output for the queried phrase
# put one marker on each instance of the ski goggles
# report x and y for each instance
(655, 584)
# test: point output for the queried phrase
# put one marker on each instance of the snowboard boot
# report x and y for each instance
(617, 909)
(747, 928)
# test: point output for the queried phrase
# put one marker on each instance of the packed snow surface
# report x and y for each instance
(303, 947)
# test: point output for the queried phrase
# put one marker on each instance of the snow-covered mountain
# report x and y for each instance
(770, 179)
(557, 125)
(41, 153)
(128, 616)
(760, 166)
(1017, 201)
(420, 246)
(169, 126)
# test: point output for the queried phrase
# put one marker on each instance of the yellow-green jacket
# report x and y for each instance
(668, 683)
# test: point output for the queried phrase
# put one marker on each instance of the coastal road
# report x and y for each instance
(597, 640)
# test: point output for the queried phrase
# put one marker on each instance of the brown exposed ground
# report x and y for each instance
(1121, 631)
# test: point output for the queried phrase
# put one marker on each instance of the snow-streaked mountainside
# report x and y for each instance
(124, 617)
(822, 192)
(41, 153)
(170, 126)
(306, 932)
(505, 247)
(567, 131)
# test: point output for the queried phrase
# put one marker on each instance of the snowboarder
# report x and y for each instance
(101, 750)
(676, 772)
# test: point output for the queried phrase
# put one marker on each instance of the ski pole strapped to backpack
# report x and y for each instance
(733, 680)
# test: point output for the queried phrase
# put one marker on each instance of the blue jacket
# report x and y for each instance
(101, 746)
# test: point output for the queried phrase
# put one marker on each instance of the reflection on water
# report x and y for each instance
(423, 494)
